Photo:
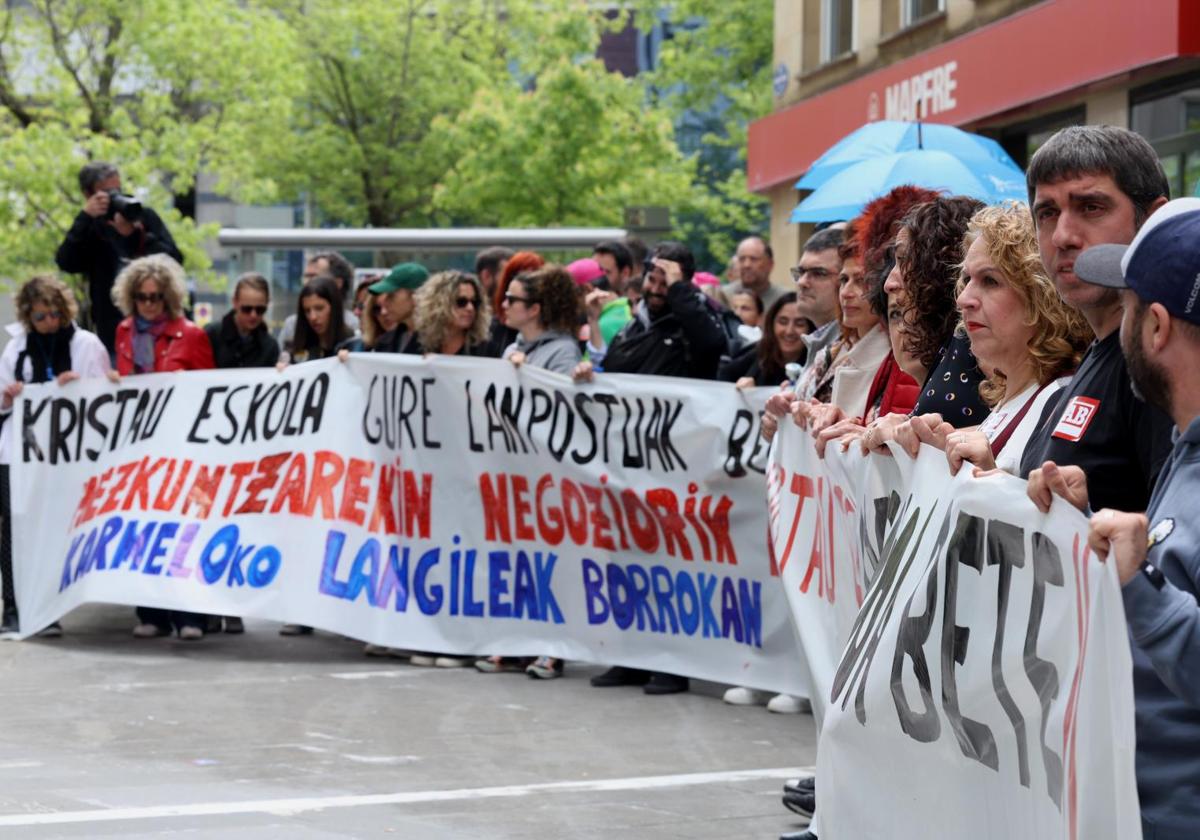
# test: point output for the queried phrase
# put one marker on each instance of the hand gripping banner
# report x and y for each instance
(968, 655)
(442, 504)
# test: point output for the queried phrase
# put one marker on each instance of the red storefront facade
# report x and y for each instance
(1023, 74)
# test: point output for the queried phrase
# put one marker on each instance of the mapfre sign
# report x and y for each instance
(920, 96)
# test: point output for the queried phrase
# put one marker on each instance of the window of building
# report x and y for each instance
(1168, 115)
(913, 11)
(837, 32)
(1023, 139)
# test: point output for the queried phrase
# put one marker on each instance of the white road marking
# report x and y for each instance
(286, 807)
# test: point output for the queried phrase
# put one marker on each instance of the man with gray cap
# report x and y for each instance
(1157, 554)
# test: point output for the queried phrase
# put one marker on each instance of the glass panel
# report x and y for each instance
(915, 10)
(839, 33)
(1167, 116)
(1171, 167)
(1191, 174)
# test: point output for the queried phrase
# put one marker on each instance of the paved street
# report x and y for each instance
(263, 736)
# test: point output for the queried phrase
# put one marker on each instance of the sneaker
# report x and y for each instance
(191, 634)
(742, 696)
(424, 660)
(51, 631)
(452, 661)
(295, 630)
(233, 624)
(545, 668)
(145, 630)
(787, 704)
(10, 623)
(499, 665)
(804, 783)
(802, 802)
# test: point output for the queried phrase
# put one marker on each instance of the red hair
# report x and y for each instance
(521, 261)
(876, 226)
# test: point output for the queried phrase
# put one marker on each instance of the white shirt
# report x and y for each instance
(997, 421)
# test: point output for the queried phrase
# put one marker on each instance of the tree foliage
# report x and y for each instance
(376, 112)
(576, 149)
(715, 72)
(160, 87)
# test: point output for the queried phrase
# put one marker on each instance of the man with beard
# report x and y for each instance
(1093, 185)
(1157, 554)
(673, 332)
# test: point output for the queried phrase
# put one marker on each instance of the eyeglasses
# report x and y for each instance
(153, 297)
(799, 271)
(464, 302)
(246, 309)
(38, 317)
(511, 298)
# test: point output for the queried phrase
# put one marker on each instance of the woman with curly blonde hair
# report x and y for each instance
(1026, 340)
(155, 336)
(452, 315)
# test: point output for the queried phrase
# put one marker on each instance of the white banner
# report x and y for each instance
(968, 655)
(451, 505)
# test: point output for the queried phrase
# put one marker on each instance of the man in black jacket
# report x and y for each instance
(673, 332)
(100, 243)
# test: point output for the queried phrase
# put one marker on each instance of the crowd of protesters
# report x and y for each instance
(1023, 338)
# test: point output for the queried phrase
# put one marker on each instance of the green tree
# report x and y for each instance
(162, 88)
(576, 149)
(382, 78)
(714, 74)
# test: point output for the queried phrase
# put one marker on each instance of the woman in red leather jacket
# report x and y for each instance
(155, 336)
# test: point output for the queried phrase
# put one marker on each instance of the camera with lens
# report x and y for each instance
(128, 206)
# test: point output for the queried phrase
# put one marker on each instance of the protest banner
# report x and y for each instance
(968, 655)
(442, 504)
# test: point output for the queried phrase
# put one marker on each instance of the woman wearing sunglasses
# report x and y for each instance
(241, 339)
(452, 316)
(46, 345)
(156, 337)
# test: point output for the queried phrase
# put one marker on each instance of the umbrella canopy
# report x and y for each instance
(845, 196)
(888, 137)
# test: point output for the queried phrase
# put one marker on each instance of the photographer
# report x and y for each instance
(111, 230)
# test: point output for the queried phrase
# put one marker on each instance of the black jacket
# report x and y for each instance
(259, 349)
(686, 340)
(93, 248)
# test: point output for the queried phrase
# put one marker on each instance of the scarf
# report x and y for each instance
(145, 336)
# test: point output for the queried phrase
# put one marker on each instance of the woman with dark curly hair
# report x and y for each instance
(929, 251)
(452, 316)
(1028, 342)
(544, 308)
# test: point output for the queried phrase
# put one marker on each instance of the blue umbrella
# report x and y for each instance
(888, 137)
(844, 196)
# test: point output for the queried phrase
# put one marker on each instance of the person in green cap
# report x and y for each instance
(387, 319)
